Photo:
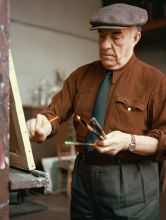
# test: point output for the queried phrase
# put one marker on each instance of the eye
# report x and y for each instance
(116, 37)
(101, 35)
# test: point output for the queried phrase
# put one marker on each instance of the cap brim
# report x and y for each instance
(107, 27)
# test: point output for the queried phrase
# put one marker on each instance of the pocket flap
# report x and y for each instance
(134, 103)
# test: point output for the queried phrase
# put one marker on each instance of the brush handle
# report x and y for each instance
(79, 143)
(90, 128)
(98, 126)
(53, 119)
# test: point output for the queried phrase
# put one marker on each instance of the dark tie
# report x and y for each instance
(100, 105)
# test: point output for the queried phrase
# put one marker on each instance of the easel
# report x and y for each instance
(21, 155)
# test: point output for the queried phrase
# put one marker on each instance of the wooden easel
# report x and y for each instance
(20, 153)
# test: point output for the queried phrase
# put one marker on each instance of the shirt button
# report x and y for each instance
(129, 109)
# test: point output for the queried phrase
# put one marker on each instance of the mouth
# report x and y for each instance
(108, 56)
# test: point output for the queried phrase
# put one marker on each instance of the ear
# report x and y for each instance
(137, 37)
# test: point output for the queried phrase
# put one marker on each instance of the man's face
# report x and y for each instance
(116, 46)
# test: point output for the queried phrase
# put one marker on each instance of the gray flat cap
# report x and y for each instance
(118, 16)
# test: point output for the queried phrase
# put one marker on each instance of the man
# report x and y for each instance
(118, 178)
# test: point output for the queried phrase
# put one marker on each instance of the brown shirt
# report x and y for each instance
(136, 102)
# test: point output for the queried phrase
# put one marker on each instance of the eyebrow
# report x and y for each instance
(116, 32)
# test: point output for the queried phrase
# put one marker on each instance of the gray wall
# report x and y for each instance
(50, 35)
(152, 48)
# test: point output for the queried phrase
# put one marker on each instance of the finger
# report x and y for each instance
(31, 126)
(111, 152)
(44, 120)
(46, 125)
(105, 149)
(39, 123)
(40, 135)
(106, 142)
(39, 126)
(99, 143)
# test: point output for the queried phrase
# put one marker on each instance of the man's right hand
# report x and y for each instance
(39, 128)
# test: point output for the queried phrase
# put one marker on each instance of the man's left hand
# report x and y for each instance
(115, 142)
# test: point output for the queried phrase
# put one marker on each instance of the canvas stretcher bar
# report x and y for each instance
(21, 156)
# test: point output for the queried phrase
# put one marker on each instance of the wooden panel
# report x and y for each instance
(21, 153)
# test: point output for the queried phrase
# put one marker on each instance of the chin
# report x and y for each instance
(109, 65)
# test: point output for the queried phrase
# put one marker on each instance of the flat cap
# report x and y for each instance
(118, 16)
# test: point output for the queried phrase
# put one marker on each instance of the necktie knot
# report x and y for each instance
(108, 74)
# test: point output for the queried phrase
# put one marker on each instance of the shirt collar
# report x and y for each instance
(119, 72)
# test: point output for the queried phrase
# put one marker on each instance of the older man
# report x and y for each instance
(118, 178)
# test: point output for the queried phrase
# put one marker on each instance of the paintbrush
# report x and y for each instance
(95, 123)
(53, 119)
(79, 143)
(90, 128)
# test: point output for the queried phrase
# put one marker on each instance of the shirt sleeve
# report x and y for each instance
(62, 103)
(157, 119)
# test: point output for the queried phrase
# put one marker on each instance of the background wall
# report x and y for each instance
(50, 35)
(152, 48)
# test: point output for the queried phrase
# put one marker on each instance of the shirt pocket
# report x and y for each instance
(129, 113)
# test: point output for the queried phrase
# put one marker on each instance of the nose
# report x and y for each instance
(106, 43)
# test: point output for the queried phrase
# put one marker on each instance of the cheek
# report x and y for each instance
(118, 49)
(121, 48)
(127, 48)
